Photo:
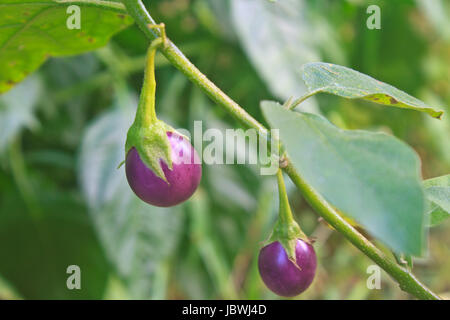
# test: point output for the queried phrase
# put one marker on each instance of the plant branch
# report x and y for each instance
(137, 10)
(406, 280)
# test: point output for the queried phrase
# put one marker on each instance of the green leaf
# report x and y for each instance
(351, 84)
(437, 191)
(137, 237)
(372, 177)
(33, 30)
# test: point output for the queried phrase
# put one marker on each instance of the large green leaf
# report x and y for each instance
(372, 177)
(137, 237)
(437, 191)
(33, 30)
(348, 83)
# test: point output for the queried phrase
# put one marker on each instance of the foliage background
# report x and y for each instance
(62, 133)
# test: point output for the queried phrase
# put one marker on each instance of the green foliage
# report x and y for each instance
(35, 252)
(372, 177)
(207, 248)
(33, 31)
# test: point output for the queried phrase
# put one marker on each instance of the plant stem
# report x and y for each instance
(143, 19)
(406, 280)
(286, 230)
(294, 104)
(146, 114)
(285, 212)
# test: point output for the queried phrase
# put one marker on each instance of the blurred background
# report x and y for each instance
(62, 134)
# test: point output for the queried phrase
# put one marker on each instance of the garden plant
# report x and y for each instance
(365, 185)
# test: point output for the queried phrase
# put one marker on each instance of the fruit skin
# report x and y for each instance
(182, 180)
(281, 275)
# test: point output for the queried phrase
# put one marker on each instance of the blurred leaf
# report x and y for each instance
(351, 84)
(209, 250)
(137, 237)
(207, 10)
(438, 14)
(278, 39)
(35, 253)
(372, 177)
(7, 292)
(439, 130)
(16, 109)
(34, 30)
(437, 191)
(69, 71)
(115, 290)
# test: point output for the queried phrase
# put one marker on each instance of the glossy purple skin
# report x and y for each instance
(183, 179)
(281, 275)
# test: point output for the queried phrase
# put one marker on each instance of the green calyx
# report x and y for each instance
(286, 229)
(152, 145)
(148, 134)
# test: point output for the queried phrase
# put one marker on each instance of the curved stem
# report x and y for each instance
(406, 280)
(294, 104)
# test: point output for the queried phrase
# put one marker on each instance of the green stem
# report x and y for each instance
(286, 229)
(285, 213)
(146, 114)
(294, 104)
(406, 280)
(137, 10)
